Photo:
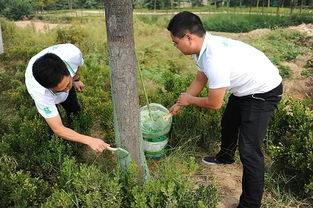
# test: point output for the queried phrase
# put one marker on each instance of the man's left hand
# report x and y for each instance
(184, 99)
(79, 86)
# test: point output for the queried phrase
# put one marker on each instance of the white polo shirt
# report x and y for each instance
(237, 66)
(45, 99)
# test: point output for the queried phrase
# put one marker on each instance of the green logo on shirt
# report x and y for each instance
(225, 43)
(47, 110)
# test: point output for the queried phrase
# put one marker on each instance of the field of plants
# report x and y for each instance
(38, 169)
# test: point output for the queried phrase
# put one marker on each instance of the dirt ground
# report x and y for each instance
(39, 26)
(228, 177)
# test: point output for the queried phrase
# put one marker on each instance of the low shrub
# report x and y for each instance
(239, 23)
(17, 187)
(74, 34)
(172, 186)
(291, 144)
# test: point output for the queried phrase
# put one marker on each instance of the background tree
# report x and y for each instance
(16, 9)
(120, 36)
(44, 3)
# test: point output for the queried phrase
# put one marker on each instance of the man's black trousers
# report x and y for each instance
(245, 122)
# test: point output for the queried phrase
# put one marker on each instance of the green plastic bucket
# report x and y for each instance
(154, 130)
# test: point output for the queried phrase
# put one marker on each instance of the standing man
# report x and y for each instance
(52, 78)
(255, 87)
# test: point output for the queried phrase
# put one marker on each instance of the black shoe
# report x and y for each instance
(211, 161)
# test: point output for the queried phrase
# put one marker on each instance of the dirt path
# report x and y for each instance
(228, 178)
(39, 26)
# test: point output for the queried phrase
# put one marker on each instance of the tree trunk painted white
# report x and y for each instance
(120, 37)
(1, 41)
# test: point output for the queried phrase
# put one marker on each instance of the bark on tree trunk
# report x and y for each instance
(1, 41)
(301, 6)
(120, 36)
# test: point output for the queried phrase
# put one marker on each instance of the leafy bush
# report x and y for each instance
(292, 143)
(247, 22)
(194, 125)
(16, 9)
(84, 186)
(171, 187)
(285, 71)
(18, 188)
(74, 35)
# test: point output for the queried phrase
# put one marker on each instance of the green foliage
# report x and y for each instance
(193, 125)
(18, 188)
(16, 9)
(276, 184)
(84, 186)
(171, 187)
(285, 71)
(292, 143)
(309, 64)
(280, 45)
(56, 172)
(248, 22)
(73, 34)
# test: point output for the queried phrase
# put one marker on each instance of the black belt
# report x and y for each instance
(276, 92)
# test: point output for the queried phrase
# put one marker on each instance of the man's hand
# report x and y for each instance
(97, 145)
(184, 99)
(175, 109)
(79, 86)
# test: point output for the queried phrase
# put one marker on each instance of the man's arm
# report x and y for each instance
(60, 130)
(197, 84)
(194, 89)
(214, 100)
(79, 85)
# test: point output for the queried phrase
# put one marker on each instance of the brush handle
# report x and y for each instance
(168, 116)
(111, 149)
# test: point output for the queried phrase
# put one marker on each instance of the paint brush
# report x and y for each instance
(119, 152)
(168, 116)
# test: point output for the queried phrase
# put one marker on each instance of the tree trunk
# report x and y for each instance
(120, 36)
(268, 3)
(277, 10)
(262, 6)
(291, 6)
(70, 4)
(250, 6)
(301, 6)
(1, 41)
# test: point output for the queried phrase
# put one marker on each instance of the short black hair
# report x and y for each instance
(186, 22)
(49, 70)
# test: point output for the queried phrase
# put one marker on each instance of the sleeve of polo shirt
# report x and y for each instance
(198, 66)
(47, 109)
(217, 70)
